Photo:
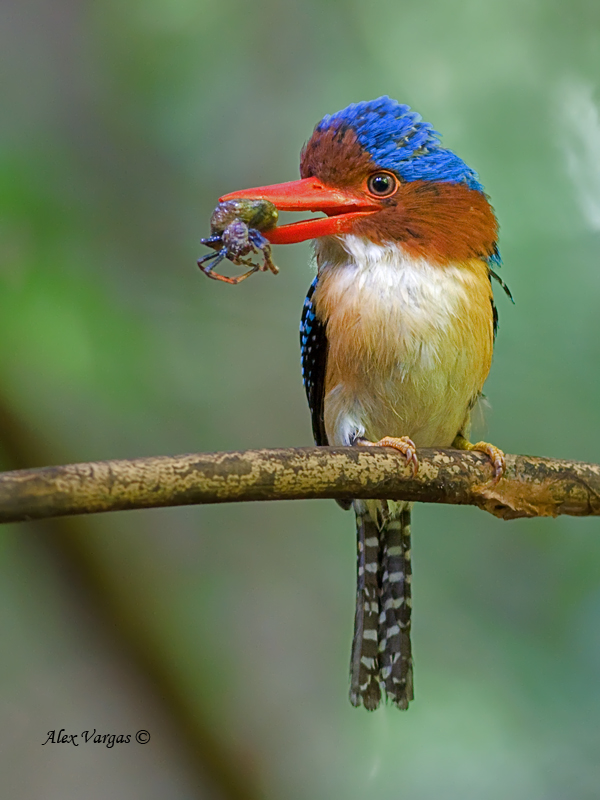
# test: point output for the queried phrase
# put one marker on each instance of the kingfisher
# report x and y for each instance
(397, 333)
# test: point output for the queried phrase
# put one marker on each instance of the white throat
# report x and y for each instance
(423, 296)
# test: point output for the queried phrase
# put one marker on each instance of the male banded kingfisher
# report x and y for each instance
(396, 336)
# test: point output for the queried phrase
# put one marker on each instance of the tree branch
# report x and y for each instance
(531, 487)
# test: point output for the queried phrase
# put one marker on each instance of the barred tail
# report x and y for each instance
(364, 666)
(395, 654)
(381, 649)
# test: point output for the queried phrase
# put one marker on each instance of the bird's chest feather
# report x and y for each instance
(409, 342)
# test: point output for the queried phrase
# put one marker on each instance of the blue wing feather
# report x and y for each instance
(313, 354)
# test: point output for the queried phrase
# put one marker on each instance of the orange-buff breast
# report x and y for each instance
(410, 342)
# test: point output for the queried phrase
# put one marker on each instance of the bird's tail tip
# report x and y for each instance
(381, 665)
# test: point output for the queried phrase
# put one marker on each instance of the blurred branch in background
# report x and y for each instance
(530, 487)
(213, 764)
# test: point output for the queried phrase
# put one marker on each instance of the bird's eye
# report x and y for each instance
(382, 184)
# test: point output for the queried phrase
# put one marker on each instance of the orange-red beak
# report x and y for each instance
(342, 207)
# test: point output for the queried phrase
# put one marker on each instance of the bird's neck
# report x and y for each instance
(367, 291)
(357, 266)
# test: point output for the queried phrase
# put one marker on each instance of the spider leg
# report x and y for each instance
(216, 258)
(232, 281)
(261, 243)
(215, 241)
(257, 239)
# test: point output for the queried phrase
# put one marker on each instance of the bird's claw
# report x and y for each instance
(494, 453)
(403, 444)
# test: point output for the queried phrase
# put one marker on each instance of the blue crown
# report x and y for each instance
(397, 139)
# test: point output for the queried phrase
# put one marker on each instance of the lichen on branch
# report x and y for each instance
(530, 487)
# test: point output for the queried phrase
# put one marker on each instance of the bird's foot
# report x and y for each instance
(403, 444)
(494, 453)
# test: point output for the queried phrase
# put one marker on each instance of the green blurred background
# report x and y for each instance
(225, 631)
